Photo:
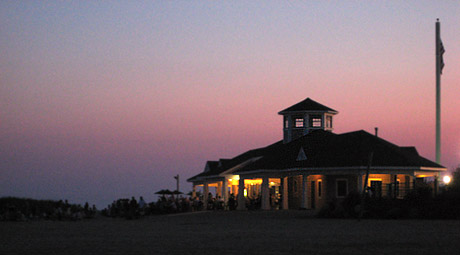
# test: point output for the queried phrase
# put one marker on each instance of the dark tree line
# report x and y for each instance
(23, 209)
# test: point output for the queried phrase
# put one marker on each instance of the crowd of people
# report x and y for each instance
(134, 209)
(18, 209)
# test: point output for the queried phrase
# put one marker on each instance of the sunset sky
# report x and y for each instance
(104, 100)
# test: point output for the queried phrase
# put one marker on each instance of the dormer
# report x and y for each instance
(304, 117)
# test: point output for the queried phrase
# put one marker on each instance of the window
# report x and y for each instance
(375, 187)
(329, 121)
(320, 187)
(315, 121)
(298, 122)
(341, 186)
(286, 123)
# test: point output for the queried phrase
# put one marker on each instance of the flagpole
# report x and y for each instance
(438, 92)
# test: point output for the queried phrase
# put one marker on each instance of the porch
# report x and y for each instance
(306, 191)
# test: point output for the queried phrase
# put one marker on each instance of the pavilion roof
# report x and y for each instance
(327, 150)
(323, 149)
(307, 105)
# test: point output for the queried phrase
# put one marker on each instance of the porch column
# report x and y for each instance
(219, 190)
(265, 194)
(225, 190)
(304, 202)
(194, 191)
(205, 195)
(360, 183)
(395, 186)
(241, 199)
(285, 193)
(436, 185)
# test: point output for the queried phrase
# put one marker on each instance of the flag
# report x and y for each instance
(441, 52)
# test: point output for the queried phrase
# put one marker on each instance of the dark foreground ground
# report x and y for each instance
(276, 232)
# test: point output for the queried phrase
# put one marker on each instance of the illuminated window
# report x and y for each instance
(315, 121)
(299, 122)
(320, 182)
(341, 186)
(375, 187)
(329, 121)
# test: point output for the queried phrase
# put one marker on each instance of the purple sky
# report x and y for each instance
(105, 100)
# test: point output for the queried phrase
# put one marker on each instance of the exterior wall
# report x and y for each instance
(319, 199)
(331, 186)
(295, 191)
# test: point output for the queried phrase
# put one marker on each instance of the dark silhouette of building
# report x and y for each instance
(313, 166)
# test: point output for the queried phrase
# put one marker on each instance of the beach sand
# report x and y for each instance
(249, 232)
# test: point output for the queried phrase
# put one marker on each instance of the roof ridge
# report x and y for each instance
(308, 104)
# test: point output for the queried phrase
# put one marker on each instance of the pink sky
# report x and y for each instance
(102, 101)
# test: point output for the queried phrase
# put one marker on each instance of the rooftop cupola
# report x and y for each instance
(304, 117)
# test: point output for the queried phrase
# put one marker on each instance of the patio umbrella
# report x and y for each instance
(176, 192)
(164, 192)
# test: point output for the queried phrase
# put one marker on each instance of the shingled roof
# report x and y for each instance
(227, 164)
(307, 105)
(326, 150)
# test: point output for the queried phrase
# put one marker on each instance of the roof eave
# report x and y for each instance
(362, 168)
(309, 111)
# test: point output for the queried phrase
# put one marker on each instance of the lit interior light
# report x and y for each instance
(446, 179)
(230, 179)
(245, 192)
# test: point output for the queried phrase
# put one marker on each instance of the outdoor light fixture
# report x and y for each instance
(446, 179)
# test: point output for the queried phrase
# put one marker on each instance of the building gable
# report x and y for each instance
(301, 155)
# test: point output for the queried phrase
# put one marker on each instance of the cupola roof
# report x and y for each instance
(308, 105)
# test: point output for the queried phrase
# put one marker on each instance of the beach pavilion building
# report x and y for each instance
(313, 166)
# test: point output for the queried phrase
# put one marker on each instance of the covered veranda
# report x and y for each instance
(313, 188)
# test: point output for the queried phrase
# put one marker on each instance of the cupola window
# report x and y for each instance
(329, 121)
(298, 122)
(315, 121)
